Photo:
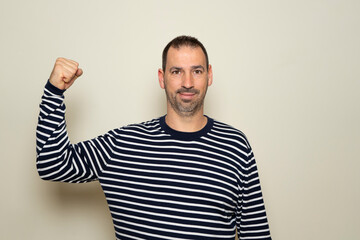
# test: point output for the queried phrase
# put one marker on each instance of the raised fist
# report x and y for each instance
(65, 72)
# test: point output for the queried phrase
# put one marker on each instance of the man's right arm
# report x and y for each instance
(57, 159)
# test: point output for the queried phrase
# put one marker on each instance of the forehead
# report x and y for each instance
(185, 55)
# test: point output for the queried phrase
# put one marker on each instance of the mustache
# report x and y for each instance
(187, 90)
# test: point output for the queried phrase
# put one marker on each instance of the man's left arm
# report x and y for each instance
(251, 217)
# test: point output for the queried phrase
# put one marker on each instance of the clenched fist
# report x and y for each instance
(65, 72)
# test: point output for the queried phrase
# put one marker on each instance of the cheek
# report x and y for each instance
(202, 84)
(173, 84)
(169, 88)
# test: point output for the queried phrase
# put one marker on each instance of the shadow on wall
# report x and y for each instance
(76, 207)
(85, 195)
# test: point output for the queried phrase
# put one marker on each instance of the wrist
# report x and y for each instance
(54, 89)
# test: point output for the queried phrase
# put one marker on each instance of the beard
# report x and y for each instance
(186, 107)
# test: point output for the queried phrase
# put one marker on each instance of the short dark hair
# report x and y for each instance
(181, 41)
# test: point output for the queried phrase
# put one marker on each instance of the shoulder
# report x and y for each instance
(146, 126)
(132, 133)
(229, 133)
(150, 127)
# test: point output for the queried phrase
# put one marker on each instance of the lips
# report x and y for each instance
(187, 94)
(187, 91)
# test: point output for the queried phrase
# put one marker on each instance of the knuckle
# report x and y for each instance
(58, 65)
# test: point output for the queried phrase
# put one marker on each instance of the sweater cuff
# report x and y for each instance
(54, 89)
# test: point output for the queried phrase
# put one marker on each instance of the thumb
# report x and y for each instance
(79, 72)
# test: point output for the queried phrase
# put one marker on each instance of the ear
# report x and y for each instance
(210, 75)
(161, 78)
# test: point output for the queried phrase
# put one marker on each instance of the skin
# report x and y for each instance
(185, 81)
(64, 73)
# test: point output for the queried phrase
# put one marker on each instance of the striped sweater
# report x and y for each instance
(160, 183)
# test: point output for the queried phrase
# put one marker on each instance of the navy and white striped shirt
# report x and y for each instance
(160, 183)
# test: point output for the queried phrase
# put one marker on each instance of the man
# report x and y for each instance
(180, 176)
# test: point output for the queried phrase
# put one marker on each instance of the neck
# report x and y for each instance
(183, 123)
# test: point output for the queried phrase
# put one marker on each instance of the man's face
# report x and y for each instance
(185, 80)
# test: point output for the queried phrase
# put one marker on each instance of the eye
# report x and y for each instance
(175, 72)
(198, 71)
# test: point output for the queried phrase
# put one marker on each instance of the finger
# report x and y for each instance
(72, 61)
(68, 61)
(69, 70)
(68, 84)
(68, 64)
(68, 74)
(71, 79)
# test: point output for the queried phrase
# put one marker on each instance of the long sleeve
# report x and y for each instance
(57, 159)
(251, 217)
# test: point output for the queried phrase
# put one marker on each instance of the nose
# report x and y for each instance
(187, 81)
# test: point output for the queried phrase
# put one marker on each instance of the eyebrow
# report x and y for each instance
(192, 67)
(198, 66)
(175, 68)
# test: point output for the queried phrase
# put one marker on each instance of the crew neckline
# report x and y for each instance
(188, 136)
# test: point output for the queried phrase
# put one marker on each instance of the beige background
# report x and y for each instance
(287, 73)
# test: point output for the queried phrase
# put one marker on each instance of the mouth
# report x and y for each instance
(187, 94)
